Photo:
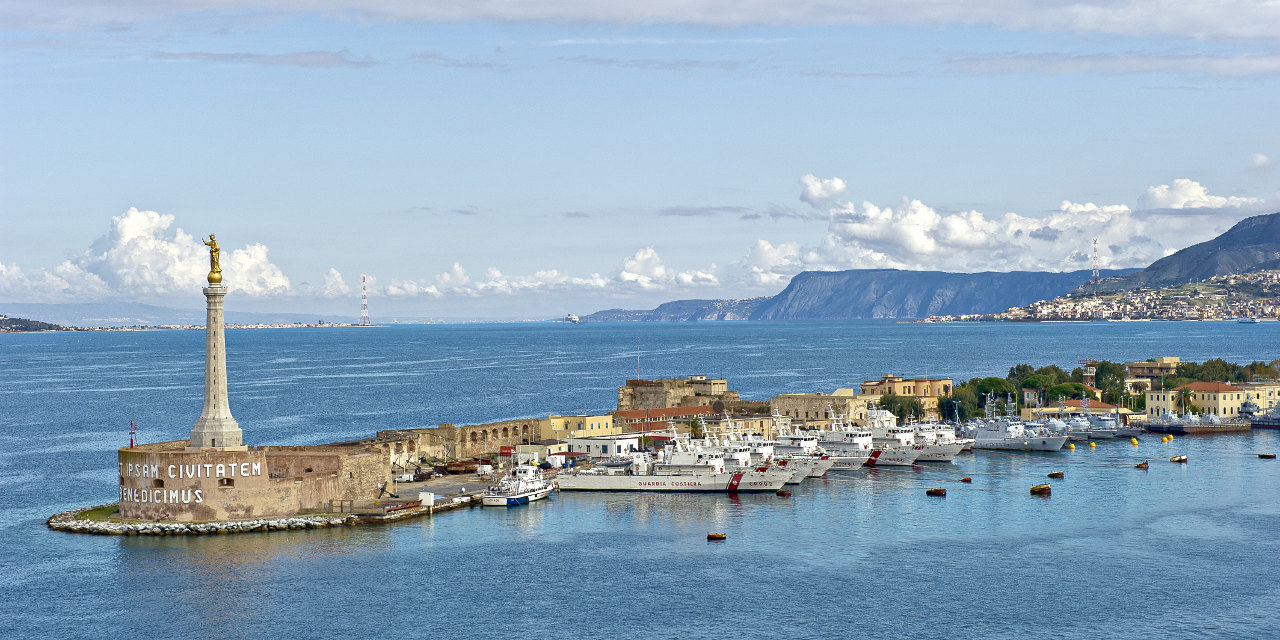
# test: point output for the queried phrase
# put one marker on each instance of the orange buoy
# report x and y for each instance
(1267, 456)
(716, 536)
(966, 479)
(1040, 490)
(941, 493)
(1140, 465)
(1056, 474)
(784, 492)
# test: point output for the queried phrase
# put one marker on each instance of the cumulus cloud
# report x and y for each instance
(643, 271)
(1260, 161)
(1188, 194)
(913, 235)
(142, 255)
(818, 191)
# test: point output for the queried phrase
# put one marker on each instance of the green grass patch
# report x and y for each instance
(100, 514)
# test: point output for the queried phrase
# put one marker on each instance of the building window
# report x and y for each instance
(157, 483)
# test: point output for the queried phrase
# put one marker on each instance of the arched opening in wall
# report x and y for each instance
(484, 437)
(524, 434)
(506, 433)
(473, 437)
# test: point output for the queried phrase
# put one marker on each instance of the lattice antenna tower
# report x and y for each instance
(1097, 277)
(364, 302)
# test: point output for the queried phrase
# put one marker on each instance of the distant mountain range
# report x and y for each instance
(1252, 244)
(129, 314)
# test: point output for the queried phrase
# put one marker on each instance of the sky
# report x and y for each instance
(528, 159)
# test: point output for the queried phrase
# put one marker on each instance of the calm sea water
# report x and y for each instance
(1179, 550)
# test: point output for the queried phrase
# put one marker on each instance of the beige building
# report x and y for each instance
(812, 407)
(1214, 398)
(1145, 376)
(644, 420)
(928, 390)
(673, 392)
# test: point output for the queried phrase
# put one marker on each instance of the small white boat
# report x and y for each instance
(521, 485)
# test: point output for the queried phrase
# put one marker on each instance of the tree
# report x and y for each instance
(962, 403)
(1069, 390)
(1185, 400)
(997, 386)
(1055, 374)
(1018, 373)
(904, 407)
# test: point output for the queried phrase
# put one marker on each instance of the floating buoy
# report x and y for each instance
(941, 493)
(966, 479)
(1140, 465)
(716, 536)
(1133, 441)
(1056, 474)
(1040, 490)
(1071, 446)
(786, 493)
(1182, 459)
(1093, 445)
(1267, 456)
(1164, 438)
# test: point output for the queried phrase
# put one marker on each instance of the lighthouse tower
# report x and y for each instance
(215, 429)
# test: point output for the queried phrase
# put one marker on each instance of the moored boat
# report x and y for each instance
(521, 485)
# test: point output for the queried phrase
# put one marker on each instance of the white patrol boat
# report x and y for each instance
(521, 485)
(676, 470)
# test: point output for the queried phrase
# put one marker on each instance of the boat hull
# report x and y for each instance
(1036, 443)
(939, 452)
(515, 499)
(709, 482)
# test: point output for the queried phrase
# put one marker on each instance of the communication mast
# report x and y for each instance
(1096, 275)
(364, 302)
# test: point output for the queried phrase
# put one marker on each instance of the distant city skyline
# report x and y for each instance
(523, 160)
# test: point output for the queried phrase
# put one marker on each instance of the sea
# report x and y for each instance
(1179, 550)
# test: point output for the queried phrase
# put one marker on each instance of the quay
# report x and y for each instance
(448, 493)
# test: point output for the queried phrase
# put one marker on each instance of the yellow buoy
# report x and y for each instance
(1071, 446)
(1092, 444)
(1133, 441)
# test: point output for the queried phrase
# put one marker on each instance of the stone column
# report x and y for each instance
(215, 428)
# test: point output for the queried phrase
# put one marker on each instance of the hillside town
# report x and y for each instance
(1247, 296)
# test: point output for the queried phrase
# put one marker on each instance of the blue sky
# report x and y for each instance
(521, 160)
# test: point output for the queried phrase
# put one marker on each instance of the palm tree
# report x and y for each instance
(1184, 400)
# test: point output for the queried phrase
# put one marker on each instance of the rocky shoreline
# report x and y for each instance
(70, 522)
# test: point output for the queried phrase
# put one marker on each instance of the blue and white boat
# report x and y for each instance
(521, 485)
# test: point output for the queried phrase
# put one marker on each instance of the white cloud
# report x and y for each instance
(1260, 161)
(913, 235)
(818, 191)
(334, 284)
(1188, 194)
(1199, 19)
(141, 256)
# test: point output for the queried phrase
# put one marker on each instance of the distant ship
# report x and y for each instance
(572, 319)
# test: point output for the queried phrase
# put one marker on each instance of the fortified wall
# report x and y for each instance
(167, 481)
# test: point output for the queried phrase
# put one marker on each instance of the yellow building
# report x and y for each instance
(928, 390)
(1214, 398)
(1264, 393)
(563, 427)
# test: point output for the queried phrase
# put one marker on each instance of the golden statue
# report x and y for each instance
(215, 269)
